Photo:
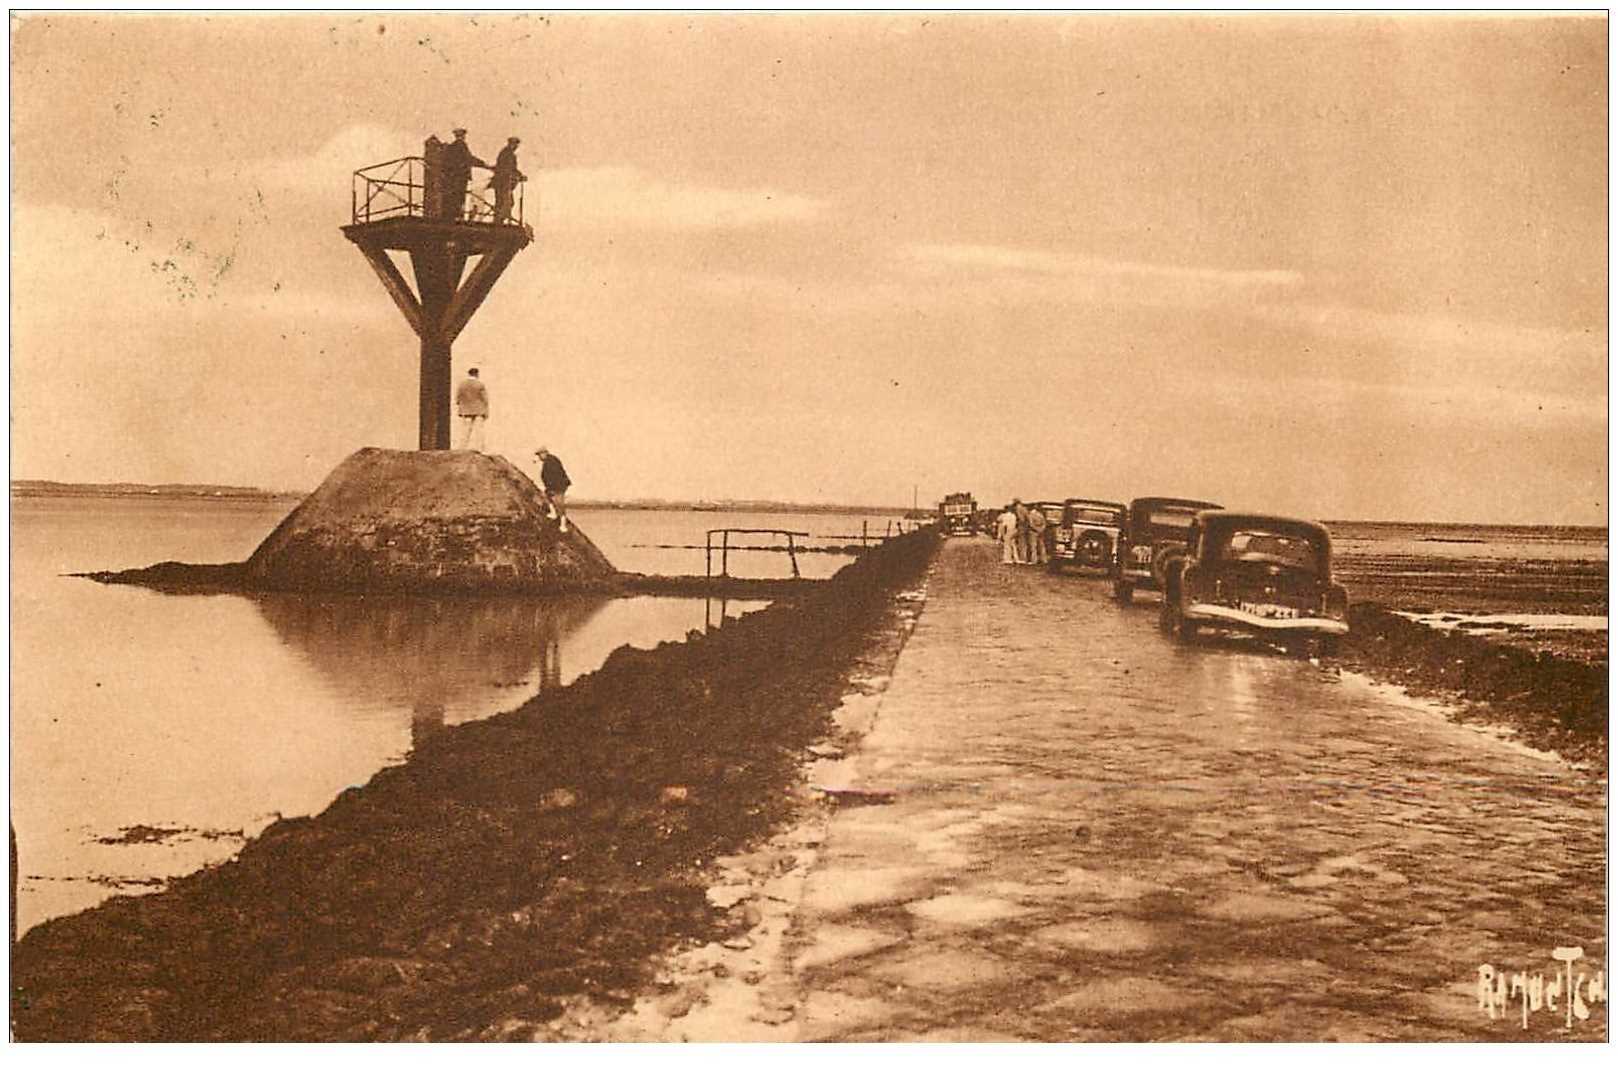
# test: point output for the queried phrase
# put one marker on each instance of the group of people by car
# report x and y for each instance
(1024, 534)
(472, 407)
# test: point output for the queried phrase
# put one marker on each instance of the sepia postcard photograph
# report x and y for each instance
(809, 527)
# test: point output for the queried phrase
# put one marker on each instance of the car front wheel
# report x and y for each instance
(1172, 620)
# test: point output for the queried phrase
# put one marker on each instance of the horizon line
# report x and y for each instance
(116, 488)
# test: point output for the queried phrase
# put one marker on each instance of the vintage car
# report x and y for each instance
(957, 514)
(1086, 534)
(1154, 530)
(1267, 576)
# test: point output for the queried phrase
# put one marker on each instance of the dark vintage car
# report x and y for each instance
(957, 514)
(1267, 576)
(1086, 534)
(1154, 530)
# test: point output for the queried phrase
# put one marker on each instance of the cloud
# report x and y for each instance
(61, 256)
(1448, 336)
(1012, 273)
(1538, 406)
(145, 278)
(1274, 312)
(329, 169)
(622, 196)
(1057, 263)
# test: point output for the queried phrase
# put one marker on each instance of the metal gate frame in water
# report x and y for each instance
(724, 548)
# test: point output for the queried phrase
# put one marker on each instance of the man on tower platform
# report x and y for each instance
(458, 162)
(505, 180)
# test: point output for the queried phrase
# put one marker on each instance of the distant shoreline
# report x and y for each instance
(26, 488)
(35, 488)
(31, 488)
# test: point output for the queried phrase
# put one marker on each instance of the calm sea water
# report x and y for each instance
(152, 734)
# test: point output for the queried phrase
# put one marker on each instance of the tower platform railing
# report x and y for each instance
(406, 189)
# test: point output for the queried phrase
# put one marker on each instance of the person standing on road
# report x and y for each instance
(1022, 531)
(472, 404)
(1005, 529)
(1036, 536)
(553, 478)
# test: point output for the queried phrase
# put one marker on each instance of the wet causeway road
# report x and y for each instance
(1100, 833)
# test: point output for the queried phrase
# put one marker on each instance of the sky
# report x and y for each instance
(1333, 266)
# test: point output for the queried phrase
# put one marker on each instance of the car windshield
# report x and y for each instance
(1288, 550)
(1106, 516)
(1171, 517)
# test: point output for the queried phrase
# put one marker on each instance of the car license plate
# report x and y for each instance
(1268, 611)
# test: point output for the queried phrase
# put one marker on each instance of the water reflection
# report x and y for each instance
(441, 660)
(722, 607)
(426, 721)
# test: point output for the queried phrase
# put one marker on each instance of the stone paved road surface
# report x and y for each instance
(1103, 834)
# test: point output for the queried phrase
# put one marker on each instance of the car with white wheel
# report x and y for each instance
(1086, 534)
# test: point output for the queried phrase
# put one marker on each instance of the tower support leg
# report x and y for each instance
(437, 271)
(435, 379)
(442, 302)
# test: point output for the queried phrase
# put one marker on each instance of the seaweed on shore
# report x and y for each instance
(1555, 702)
(509, 865)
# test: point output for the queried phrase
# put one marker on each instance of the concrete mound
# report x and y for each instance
(387, 520)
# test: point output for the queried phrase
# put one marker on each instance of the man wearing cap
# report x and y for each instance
(505, 180)
(1037, 524)
(458, 162)
(553, 477)
(472, 404)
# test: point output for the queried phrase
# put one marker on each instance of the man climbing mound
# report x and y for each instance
(554, 480)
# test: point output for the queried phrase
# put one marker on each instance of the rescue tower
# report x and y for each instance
(417, 207)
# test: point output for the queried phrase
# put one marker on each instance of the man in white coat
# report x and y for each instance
(472, 404)
(1005, 529)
